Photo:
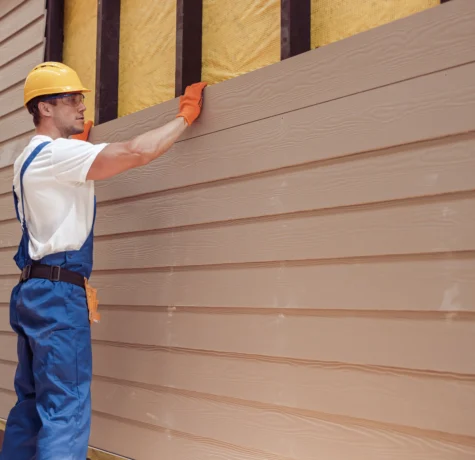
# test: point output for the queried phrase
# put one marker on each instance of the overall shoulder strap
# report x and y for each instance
(24, 167)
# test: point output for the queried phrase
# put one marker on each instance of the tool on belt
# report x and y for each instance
(57, 273)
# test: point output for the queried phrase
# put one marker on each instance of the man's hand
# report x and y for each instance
(84, 136)
(191, 102)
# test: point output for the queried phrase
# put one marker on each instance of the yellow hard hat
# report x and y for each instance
(51, 78)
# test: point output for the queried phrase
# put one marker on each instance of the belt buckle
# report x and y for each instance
(52, 277)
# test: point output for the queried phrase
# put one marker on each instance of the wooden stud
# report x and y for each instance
(189, 19)
(54, 30)
(107, 61)
(295, 27)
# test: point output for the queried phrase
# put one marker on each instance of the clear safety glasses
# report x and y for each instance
(72, 99)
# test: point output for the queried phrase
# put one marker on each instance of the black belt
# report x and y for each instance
(52, 273)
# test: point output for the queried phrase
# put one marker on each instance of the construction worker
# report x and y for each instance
(53, 189)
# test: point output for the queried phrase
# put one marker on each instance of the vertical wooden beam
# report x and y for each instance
(295, 27)
(189, 27)
(107, 61)
(54, 30)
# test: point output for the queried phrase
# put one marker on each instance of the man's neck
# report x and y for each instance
(52, 132)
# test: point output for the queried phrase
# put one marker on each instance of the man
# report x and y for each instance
(54, 198)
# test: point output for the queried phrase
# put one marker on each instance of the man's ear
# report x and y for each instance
(46, 110)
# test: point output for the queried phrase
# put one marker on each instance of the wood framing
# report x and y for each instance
(189, 15)
(295, 27)
(107, 60)
(54, 30)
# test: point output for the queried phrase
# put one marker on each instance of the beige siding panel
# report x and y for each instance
(115, 434)
(23, 41)
(440, 38)
(8, 6)
(7, 374)
(444, 284)
(292, 434)
(429, 226)
(9, 150)
(443, 403)
(4, 317)
(443, 166)
(11, 100)
(26, 13)
(16, 71)
(428, 107)
(8, 343)
(347, 339)
(429, 168)
(15, 124)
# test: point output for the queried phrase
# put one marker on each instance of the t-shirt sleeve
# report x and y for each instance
(72, 158)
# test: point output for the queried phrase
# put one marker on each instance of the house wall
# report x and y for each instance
(304, 255)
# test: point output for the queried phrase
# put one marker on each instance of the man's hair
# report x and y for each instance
(32, 107)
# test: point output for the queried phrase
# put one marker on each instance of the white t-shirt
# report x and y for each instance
(59, 202)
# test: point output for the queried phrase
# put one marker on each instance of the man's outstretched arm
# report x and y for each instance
(118, 157)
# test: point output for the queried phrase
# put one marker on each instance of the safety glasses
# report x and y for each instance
(72, 99)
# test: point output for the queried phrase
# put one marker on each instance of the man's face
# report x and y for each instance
(68, 114)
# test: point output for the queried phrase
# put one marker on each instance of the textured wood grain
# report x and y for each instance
(374, 341)
(393, 115)
(378, 394)
(115, 433)
(11, 99)
(440, 38)
(16, 71)
(22, 16)
(20, 43)
(8, 6)
(422, 169)
(277, 432)
(9, 150)
(430, 226)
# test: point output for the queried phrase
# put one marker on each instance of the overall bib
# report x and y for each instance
(51, 419)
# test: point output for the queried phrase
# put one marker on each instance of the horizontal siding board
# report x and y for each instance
(15, 124)
(381, 395)
(288, 435)
(8, 347)
(428, 227)
(443, 166)
(445, 284)
(4, 318)
(7, 374)
(372, 341)
(115, 434)
(9, 151)
(8, 6)
(437, 167)
(26, 13)
(17, 70)
(22, 42)
(428, 107)
(11, 100)
(440, 38)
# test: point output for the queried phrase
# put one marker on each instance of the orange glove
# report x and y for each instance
(84, 136)
(191, 102)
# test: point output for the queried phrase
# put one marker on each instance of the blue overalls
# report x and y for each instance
(51, 419)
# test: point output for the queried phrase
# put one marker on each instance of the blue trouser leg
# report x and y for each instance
(23, 421)
(55, 320)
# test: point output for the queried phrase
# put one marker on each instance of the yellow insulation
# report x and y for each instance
(238, 37)
(333, 20)
(79, 48)
(147, 53)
